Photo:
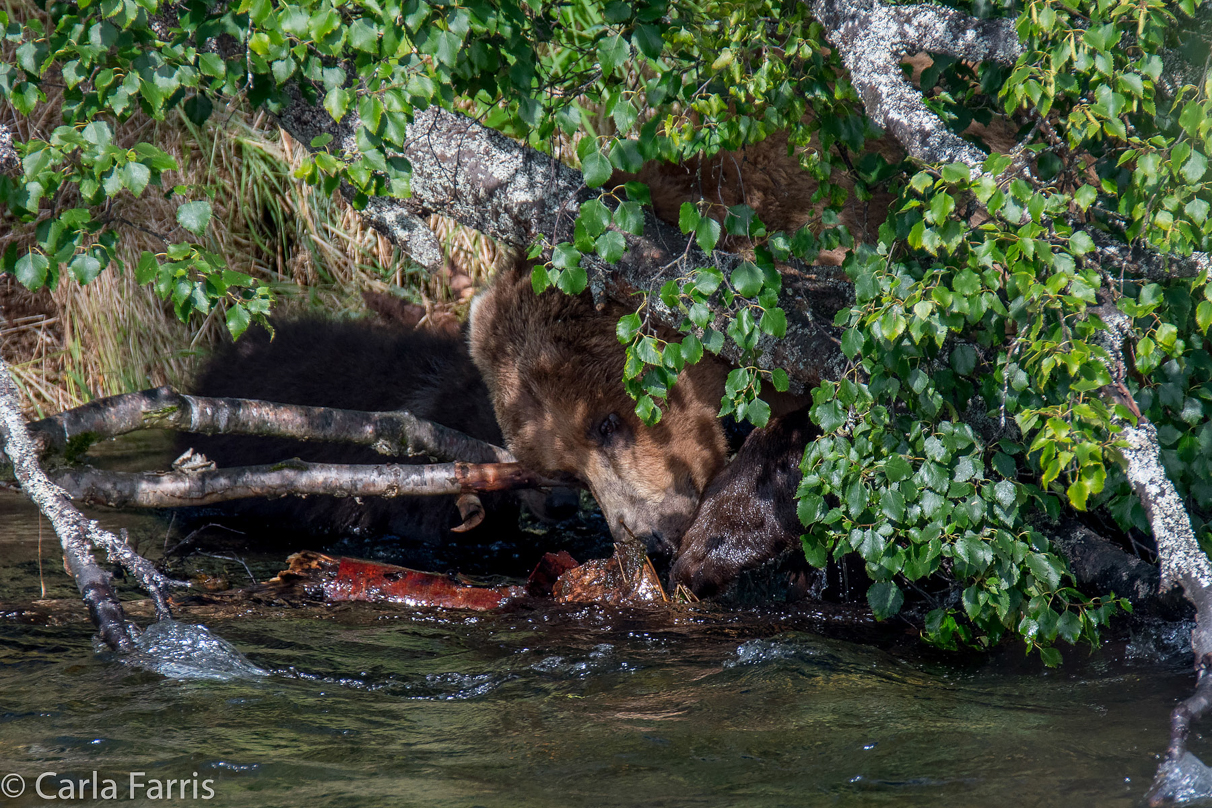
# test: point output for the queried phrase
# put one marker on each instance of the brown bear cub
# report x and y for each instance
(358, 365)
(554, 369)
(747, 517)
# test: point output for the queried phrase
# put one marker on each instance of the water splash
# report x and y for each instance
(756, 652)
(185, 651)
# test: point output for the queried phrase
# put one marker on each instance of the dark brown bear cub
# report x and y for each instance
(747, 517)
(357, 365)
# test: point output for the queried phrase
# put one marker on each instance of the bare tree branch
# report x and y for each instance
(1142, 262)
(1181, 775)
(180, 489)
(873, 37)
(517, 195)
(75, 532)
(397, 433)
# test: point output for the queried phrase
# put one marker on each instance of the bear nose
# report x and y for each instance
(659, 547)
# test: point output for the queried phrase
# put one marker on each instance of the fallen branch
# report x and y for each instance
(180, 489)
(77, 535)
(1181, 777)
(398, 433)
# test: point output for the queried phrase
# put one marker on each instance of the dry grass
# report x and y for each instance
(78, 342)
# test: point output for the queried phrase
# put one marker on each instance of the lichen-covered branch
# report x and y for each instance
(9, 161)
(1181, 777)
(397, 433)
(1142, 262)
(76, 533)
(519, 196)
(180, 489)
(873, 37)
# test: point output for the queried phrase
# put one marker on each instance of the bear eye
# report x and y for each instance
(609, 425)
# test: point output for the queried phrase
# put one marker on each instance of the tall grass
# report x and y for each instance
(114, 336)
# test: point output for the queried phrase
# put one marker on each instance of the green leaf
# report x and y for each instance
(364, 36)
(647, 38)
(852, 342)
(194, 216)
(885, 599)
(1044, 570)
(956, 172)
(238, 320)
(336, 102)
(31, 270)
(596, 169)
(897, 468)
(85, 267)
(572, 281)
(1081, 243)
(611, 246)
(627, 328)
(198, 108)
(707, 235)
(612, 52)
(1195, 167)
(540, 278)
(145, 270)
(135, 177)
(774, 323)
(1085, 196)
(565, 255)
(747, 279)
(629, 218)
(892, 503)
(1203, 315)
(625, 115)
(595, 216)
(688, 217)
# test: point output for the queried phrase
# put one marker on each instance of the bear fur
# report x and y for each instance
(358, 365)
(747, 515)
(767, 177)
(554, 369)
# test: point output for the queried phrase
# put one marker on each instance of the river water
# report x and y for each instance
(364, 705)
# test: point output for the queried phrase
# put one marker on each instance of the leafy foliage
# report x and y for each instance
(977, 305)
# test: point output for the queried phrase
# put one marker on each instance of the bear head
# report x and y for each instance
(554, 370)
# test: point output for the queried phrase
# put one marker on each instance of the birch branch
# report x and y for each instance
(398, 433)
(1181, 776)
(77, 535)
(873, 37)
(293, 477)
